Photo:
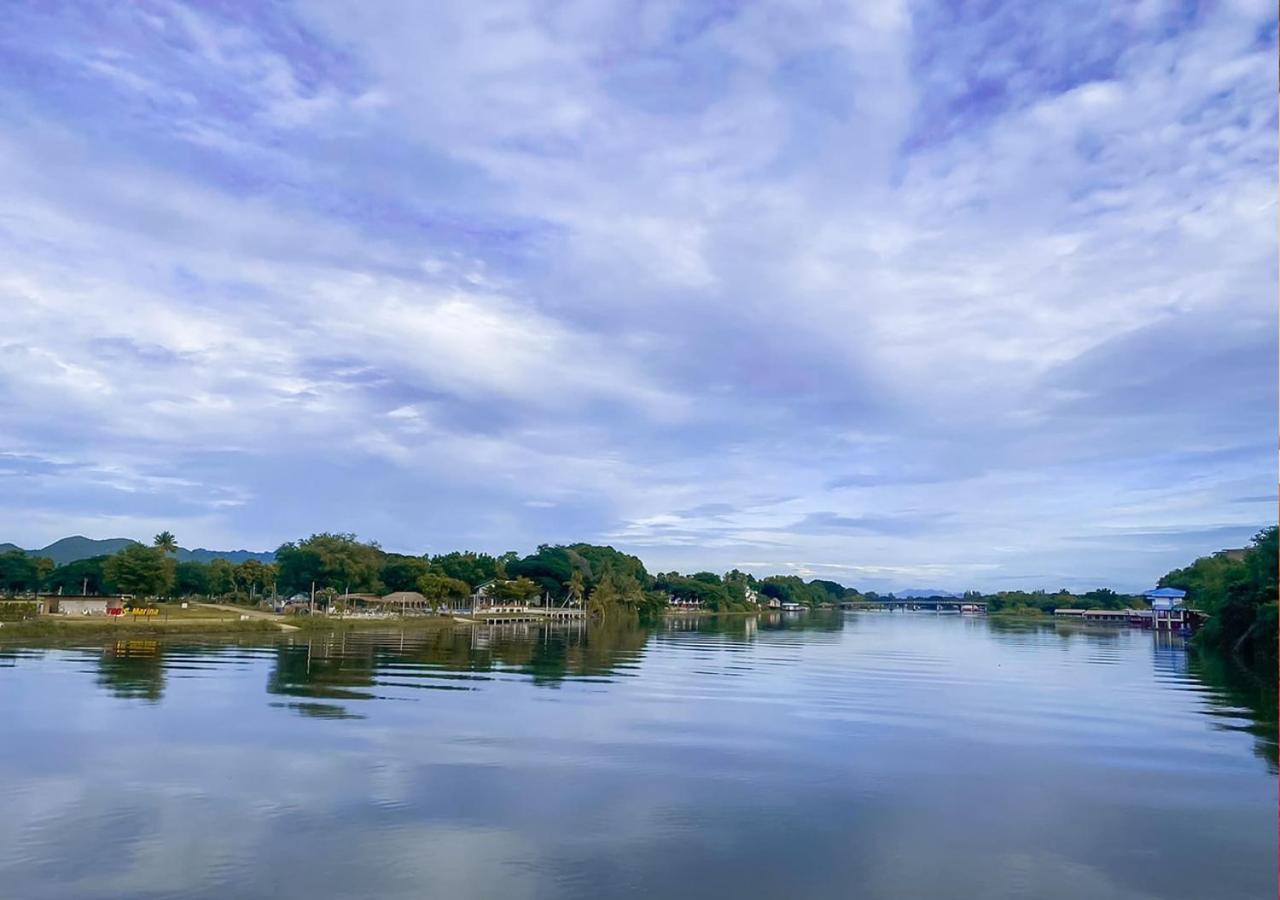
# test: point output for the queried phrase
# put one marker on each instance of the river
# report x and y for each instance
(834, 755)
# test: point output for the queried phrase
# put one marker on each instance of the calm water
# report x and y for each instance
(856, 755)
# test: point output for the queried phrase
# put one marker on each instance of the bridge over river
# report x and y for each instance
(932, 604)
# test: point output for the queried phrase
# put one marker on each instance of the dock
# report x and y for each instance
(506, 616)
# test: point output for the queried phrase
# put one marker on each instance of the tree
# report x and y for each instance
(253, 574)
(575, 589)
(166, 543)
(603, 599)
(83, 576)
(1239, 594)
(143, 571)
(550, 567)
(473, 568)
(515, 590)
(440, 589)
(44, 568)
(18, 572)
(401, 573)
(337, 561)
(603, 560)
(191, 579)
(222, 578)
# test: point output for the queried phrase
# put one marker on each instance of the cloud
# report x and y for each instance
(771, 283)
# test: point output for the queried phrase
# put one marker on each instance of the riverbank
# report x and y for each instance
(48, 628)
(204, 620)
(711, 612)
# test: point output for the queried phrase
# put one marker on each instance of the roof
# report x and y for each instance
(404, 597)
(1165, 593)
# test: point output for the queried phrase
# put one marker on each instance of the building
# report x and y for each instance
(396, 602)
(484, 597)
(86, 606)
(684, 602)
(1166, 608)
(1233, 553)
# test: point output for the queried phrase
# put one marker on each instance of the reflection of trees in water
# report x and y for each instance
(1240, 693)
(349, 666)
(748, 626)
(133, 669)
(332, 667)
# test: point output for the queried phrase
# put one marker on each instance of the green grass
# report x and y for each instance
(1019, 612)
(338, 623)
(70, 629)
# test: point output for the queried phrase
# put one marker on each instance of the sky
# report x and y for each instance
(903, 295)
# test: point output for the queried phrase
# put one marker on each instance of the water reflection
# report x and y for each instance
(819, 755)
(133, 669)
(1242, 700)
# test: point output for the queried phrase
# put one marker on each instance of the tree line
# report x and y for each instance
(598, 578)
(1237, 591)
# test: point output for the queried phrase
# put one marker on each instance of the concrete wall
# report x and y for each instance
(95, 606)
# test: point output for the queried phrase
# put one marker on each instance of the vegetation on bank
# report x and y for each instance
(601, 579)
(1239, 593)
(46, 628)
(1029, 604)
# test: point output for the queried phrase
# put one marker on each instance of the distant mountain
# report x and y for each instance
(200, 554)
(69, 549)
(9, 548)
(915, 593)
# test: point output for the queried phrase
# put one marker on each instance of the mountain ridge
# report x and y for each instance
(77, 546)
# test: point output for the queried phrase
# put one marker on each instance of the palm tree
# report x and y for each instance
(166, 542)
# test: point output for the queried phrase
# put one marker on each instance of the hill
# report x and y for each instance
(200, 554)
(70, 549)
(916, 593)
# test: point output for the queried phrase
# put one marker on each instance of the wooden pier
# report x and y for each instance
(513, 616)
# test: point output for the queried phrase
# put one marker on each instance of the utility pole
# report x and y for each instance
(313, 610)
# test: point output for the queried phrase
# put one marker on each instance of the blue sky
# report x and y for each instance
(959, 295)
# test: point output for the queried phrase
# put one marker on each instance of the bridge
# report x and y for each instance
(932, 604)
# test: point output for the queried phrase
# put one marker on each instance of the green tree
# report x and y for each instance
(473, 568)
(18, 572)
(401, 573)
(575, 589)
(603, 600)
(142, 571)
(1240, 597)
(44, 568)
(440, 590)
(254, 576)
(191, 579)
(222, 578)
(515, 590)
(336, 561)
(165, 542)
(550, 567)
(83, 576)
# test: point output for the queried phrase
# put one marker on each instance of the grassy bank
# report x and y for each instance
(312, 624)
(73, 629)
(712, 612)
(1020, 613)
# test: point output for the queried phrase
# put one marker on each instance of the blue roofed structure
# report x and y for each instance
(1166, 607)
